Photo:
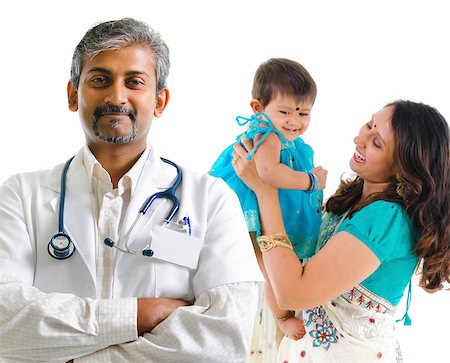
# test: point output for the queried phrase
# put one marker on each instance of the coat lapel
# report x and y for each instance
(78, 211)
(156, 176)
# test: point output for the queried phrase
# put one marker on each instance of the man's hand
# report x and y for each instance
(152, 311)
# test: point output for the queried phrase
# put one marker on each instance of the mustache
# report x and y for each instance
(99, 111)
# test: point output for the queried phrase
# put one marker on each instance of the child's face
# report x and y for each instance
(289, 116)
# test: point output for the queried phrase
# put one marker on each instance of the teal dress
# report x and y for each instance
(387, 230)
(359, 325)
(301, 210)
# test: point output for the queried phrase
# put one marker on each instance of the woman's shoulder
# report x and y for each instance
(381, 213)
(384, 226)
(383, 206)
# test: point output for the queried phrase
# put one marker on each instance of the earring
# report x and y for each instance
(401, 190)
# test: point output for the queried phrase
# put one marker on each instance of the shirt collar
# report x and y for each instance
(129, 180)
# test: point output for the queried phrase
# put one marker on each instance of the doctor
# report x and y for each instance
(66, 292)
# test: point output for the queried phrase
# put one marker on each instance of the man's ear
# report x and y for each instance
(72, 97)
(256, 106)
(161, 102)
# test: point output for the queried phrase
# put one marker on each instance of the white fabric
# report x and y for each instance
(340, 331)
(49, 308)
(216, 329)
(109, 207)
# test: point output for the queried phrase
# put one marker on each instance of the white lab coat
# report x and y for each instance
(29, 217)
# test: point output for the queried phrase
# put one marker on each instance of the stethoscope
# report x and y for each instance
(61, 245)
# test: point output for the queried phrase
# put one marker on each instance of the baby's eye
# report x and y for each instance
(303, 114)
(284, 113)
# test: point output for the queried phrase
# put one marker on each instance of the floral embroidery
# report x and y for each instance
(324, 332)
(324, 335)
(302, 354)
(352, 294)
(361, 296)
(314, 315)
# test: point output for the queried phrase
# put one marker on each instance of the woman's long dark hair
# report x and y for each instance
(422, 164)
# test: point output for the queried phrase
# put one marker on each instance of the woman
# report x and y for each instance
(393, 217)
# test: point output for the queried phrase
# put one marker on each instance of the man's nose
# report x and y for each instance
(117, 94)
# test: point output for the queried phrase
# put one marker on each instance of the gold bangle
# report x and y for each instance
(278, 239)
(284, 318)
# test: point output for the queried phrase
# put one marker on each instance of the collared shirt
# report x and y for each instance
(49, 326)
(110, 205)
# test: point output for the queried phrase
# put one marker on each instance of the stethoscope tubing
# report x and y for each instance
(62, 200)
(64, 253)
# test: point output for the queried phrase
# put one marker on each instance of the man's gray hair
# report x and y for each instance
(117, 34)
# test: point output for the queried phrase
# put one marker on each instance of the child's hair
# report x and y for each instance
(285, 77)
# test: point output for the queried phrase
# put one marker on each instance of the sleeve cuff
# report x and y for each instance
(117, 324)
(117, 321)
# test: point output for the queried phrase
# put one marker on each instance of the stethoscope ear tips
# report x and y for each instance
(109, 242)
(148, 253)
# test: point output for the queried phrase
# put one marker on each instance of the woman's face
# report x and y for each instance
(373, 159)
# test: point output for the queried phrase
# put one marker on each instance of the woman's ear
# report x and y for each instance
(72, 97)
(256, 106)
(161, 102)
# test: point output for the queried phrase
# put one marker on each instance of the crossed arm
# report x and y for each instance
(35, 326)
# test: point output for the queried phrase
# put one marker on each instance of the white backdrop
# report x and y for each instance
(362, 55)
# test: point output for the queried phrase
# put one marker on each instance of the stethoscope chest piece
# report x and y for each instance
(61, 246)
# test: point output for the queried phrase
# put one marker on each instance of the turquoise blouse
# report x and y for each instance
(387, 230)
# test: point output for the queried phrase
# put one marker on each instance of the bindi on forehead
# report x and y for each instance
(297, 109)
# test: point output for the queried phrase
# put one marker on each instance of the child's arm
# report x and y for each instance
(267, 160)
(291, 326)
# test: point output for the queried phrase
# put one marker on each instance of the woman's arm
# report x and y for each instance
(287, 322)
(343, 263)
(267, 160)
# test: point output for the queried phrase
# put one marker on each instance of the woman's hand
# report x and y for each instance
(246, 169)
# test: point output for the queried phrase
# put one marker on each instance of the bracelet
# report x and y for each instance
(266, 243)
(315, 185)
(284, 318)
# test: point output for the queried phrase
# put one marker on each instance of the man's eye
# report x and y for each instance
(135, 83)
(98, 81)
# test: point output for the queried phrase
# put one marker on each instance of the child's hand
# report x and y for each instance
(294, 328)
(321, 174)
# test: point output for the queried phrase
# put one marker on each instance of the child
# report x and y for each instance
(283, 95)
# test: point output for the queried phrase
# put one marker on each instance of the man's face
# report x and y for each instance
(116, 97)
